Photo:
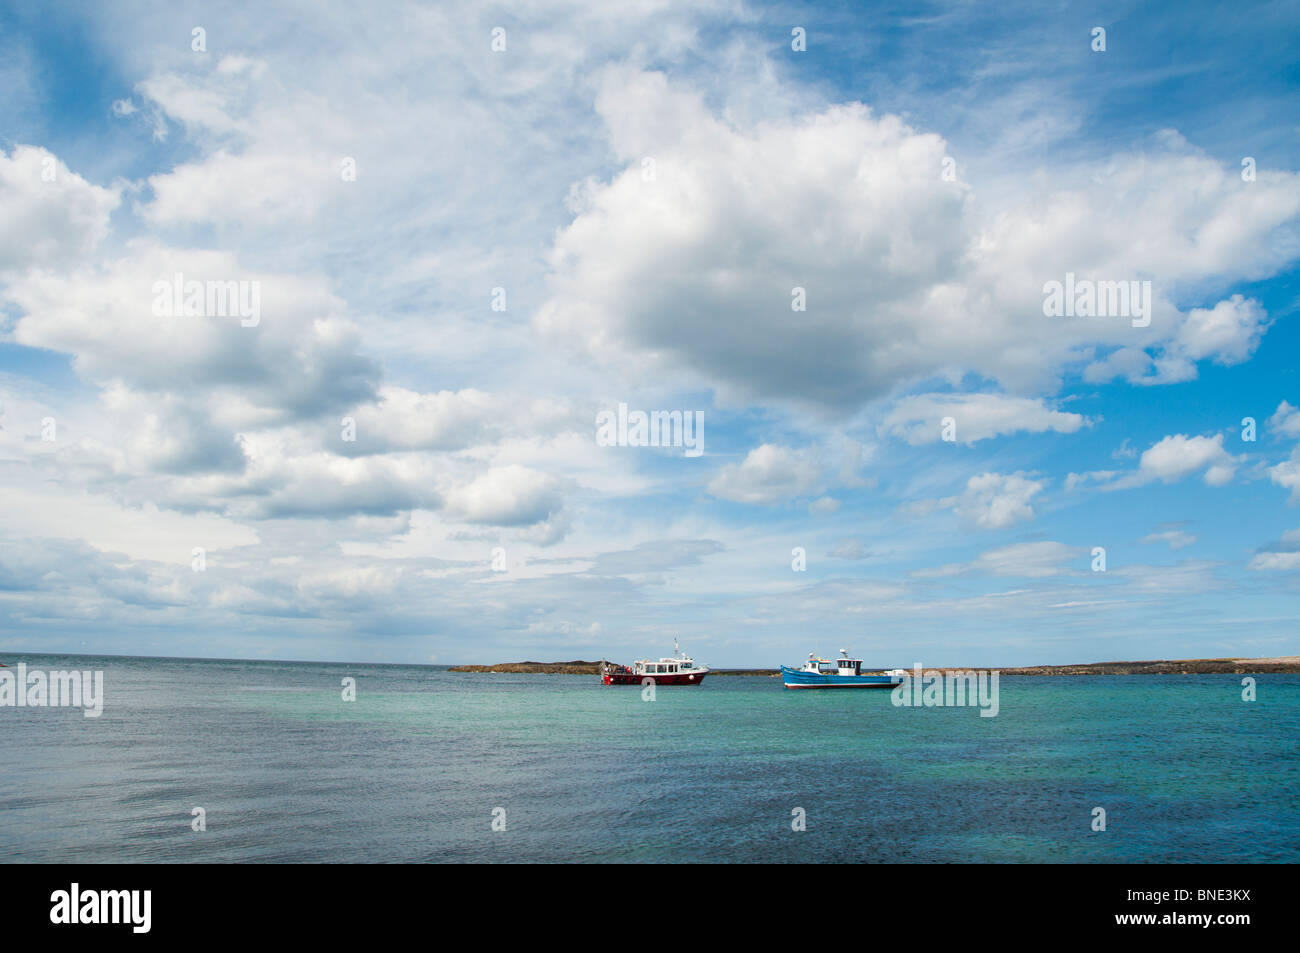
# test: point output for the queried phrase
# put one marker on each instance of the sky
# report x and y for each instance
(462, 234)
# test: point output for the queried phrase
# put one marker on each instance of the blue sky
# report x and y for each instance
(647, 185)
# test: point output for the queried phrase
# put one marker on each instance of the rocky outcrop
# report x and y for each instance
(576, 667)
(1201, 666)
(1195, 666)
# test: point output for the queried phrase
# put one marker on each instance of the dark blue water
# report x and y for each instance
(414, 769)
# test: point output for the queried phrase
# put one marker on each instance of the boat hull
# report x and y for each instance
(793, 678)
(679, 678)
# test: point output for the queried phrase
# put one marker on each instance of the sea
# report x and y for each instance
(209, 761)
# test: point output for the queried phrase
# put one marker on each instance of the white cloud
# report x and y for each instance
(1287, 474)
(227, 189)
(917, 419)
(375, 307)
(280, 481)
(1031, 560)
(1285, 420)
(989, 501)
(506, 496)
(1275, 561)
(997, 500)
(1177, 456)
(49, 215)
(143, 532)
(303, 357)
(1169, 460)
(768, 474)
(1228, 333)
(1176, 538)
(850, 549)
(1075, 480)
(690, 275)
(403, 419)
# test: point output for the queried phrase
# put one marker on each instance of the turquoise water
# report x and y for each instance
(414, 768)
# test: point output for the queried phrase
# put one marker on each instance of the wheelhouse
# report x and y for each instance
(841, 666)
(665, 666)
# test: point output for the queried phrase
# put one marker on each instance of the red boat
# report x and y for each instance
(677, 670)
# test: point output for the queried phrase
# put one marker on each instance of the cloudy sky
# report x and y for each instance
(826, 228)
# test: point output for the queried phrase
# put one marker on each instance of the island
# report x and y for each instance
(1286, 664)
(579, 667)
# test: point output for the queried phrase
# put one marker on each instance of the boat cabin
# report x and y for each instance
(665, 666)
(841, 666)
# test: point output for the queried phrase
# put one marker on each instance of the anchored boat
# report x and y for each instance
(677, 670)
(843, 672)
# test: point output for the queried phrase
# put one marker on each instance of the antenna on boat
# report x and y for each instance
(675, 651)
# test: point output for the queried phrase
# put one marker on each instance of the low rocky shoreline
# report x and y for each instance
(576, 667)
(1289, 664)
(1196, 666)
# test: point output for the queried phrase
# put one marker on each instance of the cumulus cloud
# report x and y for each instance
(1285, 420)
(280, 482)
(506, 496)
(768, 474)
(997, 500)
(1178, 456)
(989, 501)
(403, 419)
(231, 189)
(302, 357)
(49, 215)
(692, 272)
(1169, 460)
(1226, 334)
(698, 267)
(1287, 474)
(375, 308)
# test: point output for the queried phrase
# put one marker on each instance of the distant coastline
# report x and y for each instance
(579, 667)
(1288, 664)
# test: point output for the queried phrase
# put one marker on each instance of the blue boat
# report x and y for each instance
(844, 672)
